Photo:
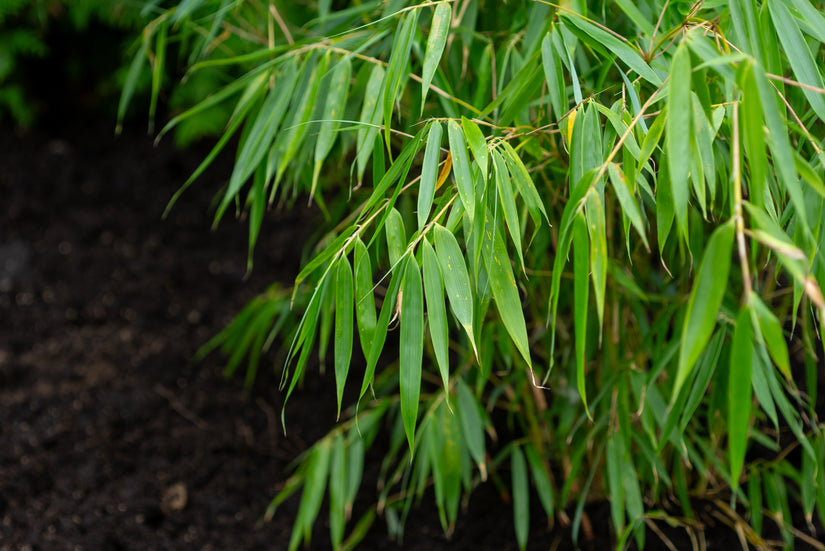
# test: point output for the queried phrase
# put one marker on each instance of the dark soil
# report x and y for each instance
(110, 437)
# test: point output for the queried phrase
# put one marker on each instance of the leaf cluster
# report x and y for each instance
(602, 224)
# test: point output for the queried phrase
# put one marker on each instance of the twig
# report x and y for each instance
(178, 406)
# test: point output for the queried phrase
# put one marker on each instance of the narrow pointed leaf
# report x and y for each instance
(521, 496)
(505, 293)
(478, 145)
(439, 28)
(343, 326)
(799, 55)
(553, 74)
(627, 201)
(461, 168)
(436, 311)
(334, 105)
(456, 279)
(739, 392)
(337, 491)
(581, 270)
(396, 67)
(396, 236)
(508, 204)
(471, 425)
(429, 173)
(622, 49)
(411, 343)
(705, 299)
(364, 300)
(678, 133)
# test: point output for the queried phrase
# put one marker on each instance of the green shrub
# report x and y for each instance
(596, 230)
(25, 30)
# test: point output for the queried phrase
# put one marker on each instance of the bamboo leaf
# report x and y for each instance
(553, 74)
(628, 203)
(541, 480)
(524, 185)
(379, 336)
(521, 496)
(439, 28)
(396, 236)
(364, 300)
(456, 279)
(505, 293)
(581, 272)
(343, 326)
(471, 425)
(771, 330)
(596, 226)
(678, 133)
(753, 134)
(478, 145)
(317, 470)
(740, 394)
(461, 168)
(805, 68)
(508, 204)
(704, 302)
(371, 118)
(334, 105)
(436, 311)
(613, 45)
(429, 173)
(396, 67)
(411, 347)
(337, 491)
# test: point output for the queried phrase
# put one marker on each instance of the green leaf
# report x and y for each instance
(553, 74)
(771, 330)
(456, 279)
(429, 173)
(596, 226)
(337, 491)
(524, 185)
(704, 302)
(478, 145)
(439, 28)
(508, 204)
(317, 470)
(364, 300)
(521, 496)
(130, 84)
(379, 336)
(505, 293)
(396, 67)
(541, 480)
(343, 326)
(753, 134)
(461, 168)
(334, 105)
(411, 347)
(263, 131)
(740, 394)
(799, 55)
(625, 193)
(436, 311)
(371, 118)
(615, 46)
(396, 236)
(678, 133)
(581, 272)
(471, 425)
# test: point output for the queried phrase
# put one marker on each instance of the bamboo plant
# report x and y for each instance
(594, 231)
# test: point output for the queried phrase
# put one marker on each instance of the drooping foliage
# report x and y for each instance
(594, 229)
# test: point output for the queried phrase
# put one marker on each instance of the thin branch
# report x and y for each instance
(737, 206)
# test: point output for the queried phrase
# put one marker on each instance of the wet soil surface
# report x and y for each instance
(110, 436)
